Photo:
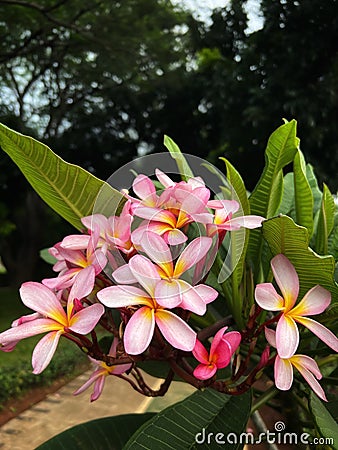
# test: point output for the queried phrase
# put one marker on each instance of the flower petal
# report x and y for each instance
(83, 284)
(139, 331)
(268, 298)
(175, 330)
(323, 333)
(123, 275)
(207, 293)
(62, 281)
(196, 201)
(145, 273)
(158, 251)
(75, 242)
(44, 351)
(204, 372)
(98, 388)
(28, 329)
(93, 377)
(191, 300)
(175, 237)
(164, 179)
(121, 296)
(315, 301)
(270, 336)
(304, 368)
(156, 214)
(200, 352)
(193, 253)
(39, 298)
(283, 374)
(307, 362)
(222, 355)
(287, 337)
(144, 188)
(286, 278)
(95, 221)
(233, 338)
(168, 293)
(228, 206)
(85, 320)
(236, 223)
(217, 339)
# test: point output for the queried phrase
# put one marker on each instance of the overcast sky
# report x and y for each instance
(202, 10)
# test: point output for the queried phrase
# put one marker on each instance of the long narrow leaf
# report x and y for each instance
(325, 221)
(188, 424)
(181, 162)
(68, 189)
(303, 194)
(326, 424)
(266, 197)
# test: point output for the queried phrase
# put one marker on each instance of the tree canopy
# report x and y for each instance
(100, 80)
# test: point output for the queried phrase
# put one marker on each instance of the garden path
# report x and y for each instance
(61, 410)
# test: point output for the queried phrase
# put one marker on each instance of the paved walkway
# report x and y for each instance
(61, 410)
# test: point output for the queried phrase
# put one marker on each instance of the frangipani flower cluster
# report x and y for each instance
(142, 276)
(286, 337)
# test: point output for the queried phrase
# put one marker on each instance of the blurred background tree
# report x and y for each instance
(102, 81)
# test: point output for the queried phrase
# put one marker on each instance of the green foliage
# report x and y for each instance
(178, 425)
(100, 434)
(303, 194)
(16, 377)
(181, 162)
(325, 222)
(326, 424)
(68, 189)
(266, 197)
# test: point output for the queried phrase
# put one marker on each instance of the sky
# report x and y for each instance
(202, 9)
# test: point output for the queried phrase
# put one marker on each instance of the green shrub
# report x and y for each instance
(17, 378)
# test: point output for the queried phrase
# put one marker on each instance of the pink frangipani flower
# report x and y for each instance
(75, 253)
(223, 220)
(315, 301)
(52, 317)
(141, 326)
(100, 374)
(222, 348)
(171, 290)
(306, 366)
(178, 205)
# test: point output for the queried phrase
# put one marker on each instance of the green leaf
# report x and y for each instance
(68, 189)
(100, 434)
(316, 192)
(327, 426)
(47, 257)
(202, 414)
(325, 221)
(237, 238)
(287, 204)
(283, 235)
(303, 194)
(181, 162)
(266, 197)
(281, 150)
